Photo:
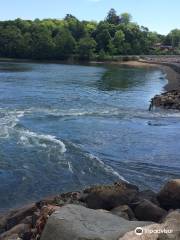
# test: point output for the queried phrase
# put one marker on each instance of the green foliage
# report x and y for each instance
(64, 44)
(118, 41)
(125, 18)
(111, 48)
(102, 38)
(63, 39)
(42, 43)
(102, 55)
(11, 42)
(173, 38)
(112, 17)
(86, 48)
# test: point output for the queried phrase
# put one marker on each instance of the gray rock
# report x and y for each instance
(169, 229)
(148, 211)
(169, 196)
(74, 222)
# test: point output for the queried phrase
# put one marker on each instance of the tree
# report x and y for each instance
(173, 38)
(125, 18)
(118, 41)
(61, 39)
(42, 43)
(86, 48)
(11, 42)
(64, 44)
(70, 17)
(112, 17)
(132, 34)
(111, 48)
(90, 27)
(76, 28)
(102, 55)
(102, 36)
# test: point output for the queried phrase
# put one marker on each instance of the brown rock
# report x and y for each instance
(168, 100)
(45, 213)
(12, 237)
(169, 196)
(148, 211)
(15, 217)
(109, 197)
(27, 220)
(27, 235)
(123, 211)
(17, 230)
(148, 195)
(144, 195)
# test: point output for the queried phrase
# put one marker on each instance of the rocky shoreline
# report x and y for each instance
(171, 98)
(167, 100)
(170, 65)
(109, 212)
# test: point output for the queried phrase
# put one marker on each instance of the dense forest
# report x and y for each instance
(71, 38)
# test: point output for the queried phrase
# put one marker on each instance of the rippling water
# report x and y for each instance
(63, 127)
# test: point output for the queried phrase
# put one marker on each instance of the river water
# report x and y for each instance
(65, 127)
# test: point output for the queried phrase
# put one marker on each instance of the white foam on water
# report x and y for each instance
(106, 111)
(100, 163)
(8, 120)
(69, 112)
(30, 139)
(106, 167)
(70, 167)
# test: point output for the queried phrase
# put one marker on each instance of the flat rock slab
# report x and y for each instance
(75, 222)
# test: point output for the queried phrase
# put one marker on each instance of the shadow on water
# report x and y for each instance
(14, 67)
(120, 78)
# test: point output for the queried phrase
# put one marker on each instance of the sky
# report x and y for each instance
(158, 15)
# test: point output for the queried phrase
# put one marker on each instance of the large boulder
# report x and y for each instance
(169, 196)
(109, 197)
(12, 237)
(123, 211)
(149, 195)
(144, 195)
(16, 230)
(148, 211)
(77, 222)
(168, 230)
(15, 217)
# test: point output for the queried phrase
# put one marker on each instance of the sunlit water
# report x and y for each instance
(64, 127)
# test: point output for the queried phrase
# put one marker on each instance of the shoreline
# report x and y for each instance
(123, 201)
(172, 75)
(171, 69)
(170, 98)
(32, 216)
